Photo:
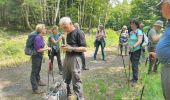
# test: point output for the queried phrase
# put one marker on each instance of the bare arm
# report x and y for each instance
(155, 38)
(43, 49)
(53, 41)
(79, 49)
(139, 41)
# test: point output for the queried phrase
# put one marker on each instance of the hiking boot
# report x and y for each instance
(40, 83)
(133, 83)
(37, 92)
(85, 68)
(61, 72)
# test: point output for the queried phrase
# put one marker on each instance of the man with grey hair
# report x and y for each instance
(153, 37)
(84, 67)
(76, 45)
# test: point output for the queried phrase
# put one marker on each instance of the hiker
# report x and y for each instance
(134, 42)
(162, 50)
(84, 67)
(54, 39)
(76, 45)
(123, 40)
(100, 41)
(154, 36)
(37, 58)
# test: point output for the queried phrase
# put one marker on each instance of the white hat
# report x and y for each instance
(159, 23)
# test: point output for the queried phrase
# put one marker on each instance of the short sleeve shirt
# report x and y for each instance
(76, 38)
(133, 39)
(163, 47)
(55, 37)
(151, 33)
(39, 42)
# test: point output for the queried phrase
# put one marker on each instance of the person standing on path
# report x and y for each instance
(154, 36)
(163, 50)
(84, 67)
(37, 58)
(76, 45)
(100, 41)
(123, 40)
(54, 40)
(134, 42)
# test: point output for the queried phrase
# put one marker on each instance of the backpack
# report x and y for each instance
(144, 40)
(123, 38)
(30, 48)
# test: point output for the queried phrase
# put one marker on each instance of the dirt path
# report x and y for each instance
(15, 82)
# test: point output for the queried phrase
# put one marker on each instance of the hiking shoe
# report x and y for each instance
(85, 68)
(40, 83)
(37, 92)
(61, 72)
(133, 83)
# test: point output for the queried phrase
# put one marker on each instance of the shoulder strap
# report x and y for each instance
(147, 33)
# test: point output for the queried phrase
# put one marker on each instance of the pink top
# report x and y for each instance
(101, 33)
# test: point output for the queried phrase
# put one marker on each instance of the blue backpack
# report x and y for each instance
(122, 38)
(30, 48)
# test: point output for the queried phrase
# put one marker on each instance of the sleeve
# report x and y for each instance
(151, 33)
(38, 42)
(140, 32)
(81, 39)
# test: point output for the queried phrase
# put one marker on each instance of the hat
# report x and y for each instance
(161, 1)
(159, 23)
(124, 27)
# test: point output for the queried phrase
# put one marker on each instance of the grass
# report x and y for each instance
(111, 38)
(12, 46)
(111, 84)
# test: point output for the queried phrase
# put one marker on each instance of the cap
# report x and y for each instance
(159, 23)
(161, 1)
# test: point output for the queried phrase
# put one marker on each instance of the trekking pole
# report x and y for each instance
(146, 62)
(129, 66)
(142, 92)
(124, 68)
(50, 69)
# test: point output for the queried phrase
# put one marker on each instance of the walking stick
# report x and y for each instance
(129, 66)
(155, 64)
(125, 68)
(50, 69)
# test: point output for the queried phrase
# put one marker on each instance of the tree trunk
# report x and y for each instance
(90, 22)
(99, 22)
(65, 7)
(27, 18)
(83, 15)
(56, 11)
(107, 9)
(44, 13)
(41, 11)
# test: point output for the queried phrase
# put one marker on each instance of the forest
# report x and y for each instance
(25, 14)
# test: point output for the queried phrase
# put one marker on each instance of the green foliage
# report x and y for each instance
(119, 16)
(12, 48)
(111, 38)
(143, 10)
(25, 12)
